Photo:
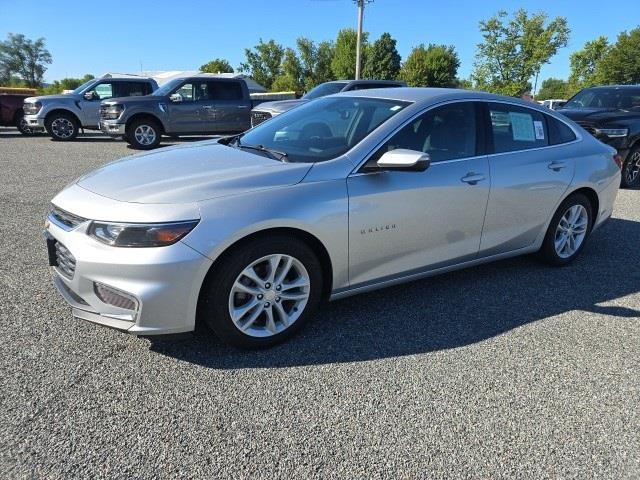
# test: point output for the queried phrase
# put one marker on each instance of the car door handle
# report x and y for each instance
(472, 178)
(557, 166)
(243, 106)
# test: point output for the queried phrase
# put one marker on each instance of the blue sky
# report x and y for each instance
(97, 37)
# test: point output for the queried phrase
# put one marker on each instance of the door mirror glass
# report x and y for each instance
(176, 98)
(406, 160)
(90, 96)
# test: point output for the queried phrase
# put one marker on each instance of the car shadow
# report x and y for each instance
(447, 311)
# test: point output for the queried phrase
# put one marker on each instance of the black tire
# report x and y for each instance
(214, 298)
(61, 126)
(631, 169)
(548, 251)
(21, 124)
(150, 126)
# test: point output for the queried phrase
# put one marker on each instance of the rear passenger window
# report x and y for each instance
(559, 132)
(131, 89)
(226, 90)
(516, 128)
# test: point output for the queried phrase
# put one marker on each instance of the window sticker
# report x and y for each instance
(537, 125)
(522, 126)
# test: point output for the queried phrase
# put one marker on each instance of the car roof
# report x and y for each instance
(599, 87)
(431, 95)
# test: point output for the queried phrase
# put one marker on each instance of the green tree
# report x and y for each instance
(217, 65)
(552, 88)
(584, 64)
(58, 86)
(383, 59)
(432, 66)
(291, 78)
(514, 50)
(264, 62)
(24, 57)
(343, 63)
(322, 71)
(464, 83)
(621, 63)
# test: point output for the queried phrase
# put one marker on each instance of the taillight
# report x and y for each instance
(619, 160)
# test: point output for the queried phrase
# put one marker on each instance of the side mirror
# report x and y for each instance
(90, 95)
(175, 98)
(404, 160)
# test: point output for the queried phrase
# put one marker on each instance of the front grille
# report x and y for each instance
(62, 217)
(66, 262)
(588, 126)
(259, 117)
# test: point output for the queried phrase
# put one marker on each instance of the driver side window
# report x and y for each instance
(103, 91)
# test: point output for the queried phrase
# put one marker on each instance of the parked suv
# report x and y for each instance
(266, 110)
(11, 113)
(201, 104)
(612, 115)
(62, 116)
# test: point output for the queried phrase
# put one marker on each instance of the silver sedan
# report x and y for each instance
(348, 193)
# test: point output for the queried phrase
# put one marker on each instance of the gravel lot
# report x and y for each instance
(511, 370)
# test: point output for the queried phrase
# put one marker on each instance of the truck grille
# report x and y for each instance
(588, 126)
(65, 260)
(259, 117)
(68, 220)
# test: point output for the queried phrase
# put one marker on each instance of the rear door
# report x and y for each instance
(231, 109)
(529, 176)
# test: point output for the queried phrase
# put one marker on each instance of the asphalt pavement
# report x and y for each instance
(508, 370)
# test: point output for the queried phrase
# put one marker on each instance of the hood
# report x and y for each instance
(133, 99)
(597, 115)
(69, 97)
(190, 173)
(281, 105)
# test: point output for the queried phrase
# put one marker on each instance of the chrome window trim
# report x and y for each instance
(368, 156)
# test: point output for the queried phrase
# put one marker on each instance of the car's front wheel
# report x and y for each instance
(143, 134)
(262, 293)
(631, 169)
(62, 126)
(568, 231)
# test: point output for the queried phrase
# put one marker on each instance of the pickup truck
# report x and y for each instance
(62, 116)
(196, 105)
(611, 114)
(11, 113)
(266, 110)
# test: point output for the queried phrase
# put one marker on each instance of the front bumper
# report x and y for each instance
(164, 281)
(111, 127)
(35, 122)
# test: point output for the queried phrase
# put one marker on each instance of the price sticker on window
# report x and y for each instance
(539, 129)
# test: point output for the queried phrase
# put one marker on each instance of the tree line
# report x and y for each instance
(513, 50)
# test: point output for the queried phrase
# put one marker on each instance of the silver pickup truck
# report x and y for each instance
(201, 104)
(266, 110)
(62, 116)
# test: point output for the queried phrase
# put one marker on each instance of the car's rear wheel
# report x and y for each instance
(568, 231)
(143, 134)
(631, 169)
(262, 293)
(62, 126)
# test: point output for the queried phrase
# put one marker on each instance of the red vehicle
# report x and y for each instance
(11, 114)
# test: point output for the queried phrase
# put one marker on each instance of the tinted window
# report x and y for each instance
(516, 128)
(367, 86)
(623, 98)
(445, 133)
(323, 129)
(129, 89)
(559, 132)
(325, 89)
(225, 90)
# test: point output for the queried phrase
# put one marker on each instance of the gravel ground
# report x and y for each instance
(510, 370)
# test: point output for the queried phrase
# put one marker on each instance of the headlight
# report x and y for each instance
(613, 132)
(140, 234)
(112, 112)
(31, 108)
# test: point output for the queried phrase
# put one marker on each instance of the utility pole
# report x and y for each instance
(360, 4)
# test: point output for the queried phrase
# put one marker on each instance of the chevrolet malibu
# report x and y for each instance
(348, 193)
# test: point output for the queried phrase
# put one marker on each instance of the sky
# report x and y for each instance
(129, 36)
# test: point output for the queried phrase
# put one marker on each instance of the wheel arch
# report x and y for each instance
(593, 198)
(66, 112)
(145, 115)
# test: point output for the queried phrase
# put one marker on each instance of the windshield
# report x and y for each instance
(79, 90)
(167, 87)
(323, 129)
(620, 98)
(324, 89)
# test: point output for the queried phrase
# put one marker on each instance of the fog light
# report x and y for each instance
(111, 296)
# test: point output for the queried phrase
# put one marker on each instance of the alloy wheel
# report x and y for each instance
(24, 126)
(632, 171)
(571, 231)
(269, 295)
(145, 134)
(63, 128)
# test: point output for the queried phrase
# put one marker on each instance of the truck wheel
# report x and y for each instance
(143, 134)
(62, 126)
(631, 169)
(22, 125)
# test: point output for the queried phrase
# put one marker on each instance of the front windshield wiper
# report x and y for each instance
(282, 156)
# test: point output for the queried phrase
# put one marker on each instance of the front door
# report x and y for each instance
(405, 222)
(528, 178)
(187, 106)
(90, 108)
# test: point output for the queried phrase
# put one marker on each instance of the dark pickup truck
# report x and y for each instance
(11, 113)
(612, 115)
(202, 104)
